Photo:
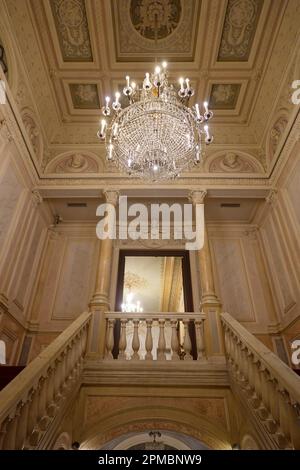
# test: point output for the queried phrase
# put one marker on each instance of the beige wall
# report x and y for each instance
(22, 231)
(240, 275)
(66, 279)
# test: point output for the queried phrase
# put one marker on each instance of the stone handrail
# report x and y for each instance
(151, 328)
(271, 389)
(30, 403)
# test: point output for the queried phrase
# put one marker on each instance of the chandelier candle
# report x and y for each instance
(158, 135)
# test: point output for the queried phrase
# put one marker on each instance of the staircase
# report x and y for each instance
(33, 405)
(265, 385)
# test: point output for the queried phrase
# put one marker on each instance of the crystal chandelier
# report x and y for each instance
(157, 135)
(129, 306)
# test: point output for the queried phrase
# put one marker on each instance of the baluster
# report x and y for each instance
(284, 436)
(42, 417)
(235, 356)
(51, 407)
(174, 341)
(123, 340)
(135, 340)
(161, 349)
(84, 340)
(256, 396)
(3, 429)
(110, 338)
(227, 341)
(22, 425)
(77, 357)
(63, 371)
(57, 376)
(230, 349)
(187, 345)
(9, 441)
(32, 411)
(199, 339)
(264, 409)
(149, 341)
(73, 360)
(272, 404)
(68, 366)
(248, 384)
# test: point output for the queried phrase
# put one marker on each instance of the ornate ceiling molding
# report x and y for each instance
(74, 163)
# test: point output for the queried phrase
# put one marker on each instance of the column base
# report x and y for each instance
(210, 300)
(99, 301)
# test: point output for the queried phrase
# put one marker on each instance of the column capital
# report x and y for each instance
(111, 196)
(272, 197)
(197, 196)
(36, 197)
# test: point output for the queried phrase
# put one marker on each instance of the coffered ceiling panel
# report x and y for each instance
(72, 30)
(147, 29)
(239, 29)
(84, 95)
(224, 95)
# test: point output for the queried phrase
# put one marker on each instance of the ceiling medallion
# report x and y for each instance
(155, 18)
(157, 136)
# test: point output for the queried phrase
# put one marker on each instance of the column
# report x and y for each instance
(209, 303)
(100, 301)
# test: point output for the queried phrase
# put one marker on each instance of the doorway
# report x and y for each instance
(154, 281)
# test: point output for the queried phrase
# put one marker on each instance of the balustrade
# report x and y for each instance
(270, 387)
(154, 336)
(32, 400)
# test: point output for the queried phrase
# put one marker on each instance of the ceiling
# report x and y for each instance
(238, 54)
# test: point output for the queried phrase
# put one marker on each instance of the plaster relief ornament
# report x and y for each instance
(33, 133)
(155, 19)
(276, 134)
(231, 163)
(77, 163)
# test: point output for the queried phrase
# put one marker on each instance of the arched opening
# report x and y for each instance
(159, 439)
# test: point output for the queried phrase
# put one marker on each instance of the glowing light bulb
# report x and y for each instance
(127, 80)
(164, 64)
(205, 104)
(181, 81)
(197, 111)
(103, 125)
(110, 151)
(157, 70)
(133, 85)
(155, 167)
(107, 100)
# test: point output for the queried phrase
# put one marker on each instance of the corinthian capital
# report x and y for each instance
(272, 197)
(197, 197)
(111, 196)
